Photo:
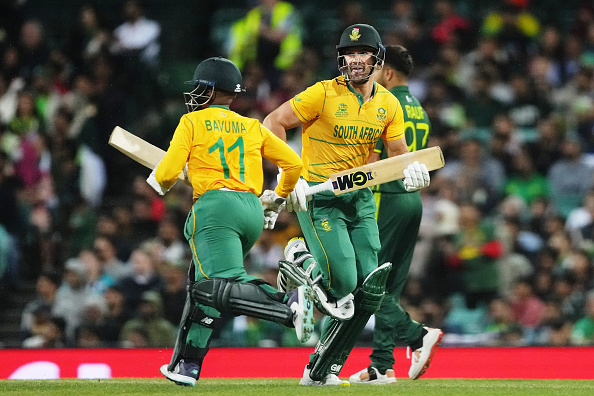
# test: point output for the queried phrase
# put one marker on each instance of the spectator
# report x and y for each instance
(545, 150)
(501, 319)
(173, 294)
(105, 249)
(483, 175)
(173, 248)
(52, 335)
(144, 277)
(97, 279)
(527, 106)
(583, 331)
(32, 47)
(46, 287)
(450, 28)
(515, 28)
(480, 107)
(569, 178)
(270, 34)
(527, 308)
(71, 297)
(524, 181)
(116, 315)
(161, 333)
(136, 45)
(476, 253)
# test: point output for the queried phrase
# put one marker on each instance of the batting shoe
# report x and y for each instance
(302, 304)
(295, 249)
(372, 376)
(184, 373)
(421, 357)
(329, 380)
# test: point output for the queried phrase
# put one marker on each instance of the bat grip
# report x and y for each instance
(325, 186)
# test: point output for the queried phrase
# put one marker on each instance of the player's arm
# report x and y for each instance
(396, 147)
(175, 158)
(282, 119)
(283, 156)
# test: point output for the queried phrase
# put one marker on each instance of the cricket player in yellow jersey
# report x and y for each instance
(342, 121)
(223, 152)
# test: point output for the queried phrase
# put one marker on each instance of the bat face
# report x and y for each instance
(136, 148)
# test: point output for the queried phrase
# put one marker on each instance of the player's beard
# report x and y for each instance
(359, 74)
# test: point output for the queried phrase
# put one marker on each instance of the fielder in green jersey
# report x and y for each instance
(399, 216)
(342, 120)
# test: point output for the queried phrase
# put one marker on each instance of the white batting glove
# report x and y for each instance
(272, 203)
(152, 181)
(297, 200)
(416, 176)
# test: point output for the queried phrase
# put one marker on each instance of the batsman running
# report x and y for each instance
(342, 120)
(221, 153)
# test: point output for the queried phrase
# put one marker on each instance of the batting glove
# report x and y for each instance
(416, 176)
(297, 200)
(152, 181)
(272, 203)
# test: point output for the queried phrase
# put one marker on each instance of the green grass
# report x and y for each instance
(277, 387)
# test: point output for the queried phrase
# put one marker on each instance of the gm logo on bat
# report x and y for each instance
(349, 180)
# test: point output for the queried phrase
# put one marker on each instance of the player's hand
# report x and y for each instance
(272, 203)
(297, 200)
(152, 181)
(416, 176)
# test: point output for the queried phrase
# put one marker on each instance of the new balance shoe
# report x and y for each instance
(329, 380)
(302, 304)
(342, 309)
(372, 376)
(184, 373)
(421, 357)
(295, 248)
(284, 284)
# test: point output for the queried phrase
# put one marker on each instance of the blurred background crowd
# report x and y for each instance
(91, 256)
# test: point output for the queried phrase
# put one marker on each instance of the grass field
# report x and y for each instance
(278, 387)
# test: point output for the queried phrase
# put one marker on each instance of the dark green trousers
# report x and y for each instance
(398, 219)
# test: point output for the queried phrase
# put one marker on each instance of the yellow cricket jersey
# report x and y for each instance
(340, 130)
(224, 150)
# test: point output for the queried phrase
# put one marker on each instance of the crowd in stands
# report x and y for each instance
(506, 248)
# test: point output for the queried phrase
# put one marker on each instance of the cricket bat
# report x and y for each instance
(137, 148)
(378, 172)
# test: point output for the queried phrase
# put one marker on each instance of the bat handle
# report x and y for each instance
(325, 186)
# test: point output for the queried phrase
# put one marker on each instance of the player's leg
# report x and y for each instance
(325, 228)
(339, 337)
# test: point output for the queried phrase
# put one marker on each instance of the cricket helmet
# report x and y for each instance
(217, 73)
(360, 36)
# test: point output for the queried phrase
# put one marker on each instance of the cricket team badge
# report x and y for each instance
(325, 224)
(355, 35)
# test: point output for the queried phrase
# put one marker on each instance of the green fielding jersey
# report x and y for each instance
(416, 129)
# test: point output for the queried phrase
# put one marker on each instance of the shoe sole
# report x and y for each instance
(428, 362)
(181, 380)
(306, 295)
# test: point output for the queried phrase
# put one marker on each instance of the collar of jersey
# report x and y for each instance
(220, 107)
(358, 95)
